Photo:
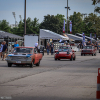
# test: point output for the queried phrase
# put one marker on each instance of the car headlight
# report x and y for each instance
(8, 57)
(29, 58)
(57, 52)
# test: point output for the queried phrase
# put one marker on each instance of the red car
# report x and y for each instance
(88, 50)
(65, 52)
(24, 56)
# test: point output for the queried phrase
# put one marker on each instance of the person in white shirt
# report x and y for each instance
(36, 45)
(1, 48)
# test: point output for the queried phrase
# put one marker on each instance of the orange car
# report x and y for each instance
(24, 56)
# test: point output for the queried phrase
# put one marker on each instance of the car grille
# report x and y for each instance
(62, 57)
(18, 58)
(86, 51)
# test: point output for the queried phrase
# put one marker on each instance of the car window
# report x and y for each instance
(88, 47)
(63, 50)
(35, 50)
(70, 50)
(63, 47)
(23, 50)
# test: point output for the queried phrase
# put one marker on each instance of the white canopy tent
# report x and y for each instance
(47, 34)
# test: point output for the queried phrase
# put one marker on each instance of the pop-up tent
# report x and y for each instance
(9, 35)
(47, 34)
(74, 37)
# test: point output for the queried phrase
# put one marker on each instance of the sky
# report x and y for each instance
(41, 8)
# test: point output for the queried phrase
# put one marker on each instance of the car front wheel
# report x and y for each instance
(74, 58)
(71, 58)
(38, 63)
(95, 54)
(31, 65)
(9, 64)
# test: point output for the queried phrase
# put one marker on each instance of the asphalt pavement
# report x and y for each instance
(52, 80)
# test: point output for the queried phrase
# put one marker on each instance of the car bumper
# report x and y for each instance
(18, 62)
(62, 56)
(86, 52)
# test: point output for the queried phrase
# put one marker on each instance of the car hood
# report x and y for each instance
(24, 55)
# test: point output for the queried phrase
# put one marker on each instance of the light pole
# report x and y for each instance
(84, 14)
(25, 18)
(67, 15)
(14, 17)
(20, 17)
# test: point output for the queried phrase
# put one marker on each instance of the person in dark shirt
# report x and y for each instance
(4, 51)
(52, 46)
(48, 48)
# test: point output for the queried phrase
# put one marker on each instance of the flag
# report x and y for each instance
(64, 27)
(91, 37)
(70, 26)
(83, 39)
(95, 36)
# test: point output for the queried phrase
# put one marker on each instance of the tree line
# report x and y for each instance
(88, 24)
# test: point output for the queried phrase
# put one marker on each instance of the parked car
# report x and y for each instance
(65, 52)
(88, 50)
(24, 56)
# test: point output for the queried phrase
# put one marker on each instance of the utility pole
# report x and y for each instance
(67, 15)
(25, 18)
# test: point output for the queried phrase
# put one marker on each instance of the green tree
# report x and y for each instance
(53, 23)
(77, 24)
(4, 26)
(93, 23)
(94, 2)
(32, 26)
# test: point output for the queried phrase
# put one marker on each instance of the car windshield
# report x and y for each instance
(63, 47)
(23, 50)
(88, 47)
(63, 50)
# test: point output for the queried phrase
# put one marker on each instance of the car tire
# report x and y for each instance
(84, 54)
(99, 51)
(74, 58)
(71, 58)
(9, 64)
(55, 59)
(95, 54)
(81, 54)
(38, 63)
(58, 59)
(92, 54)
(31, 65)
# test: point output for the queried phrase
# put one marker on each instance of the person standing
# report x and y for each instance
(68, 45)
(36, 45)
(4, 50)
(64, 44)
(16, 44)
(52, 46)
(1, 48)
(48, 48)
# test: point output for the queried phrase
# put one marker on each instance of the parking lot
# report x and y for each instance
(52, 80)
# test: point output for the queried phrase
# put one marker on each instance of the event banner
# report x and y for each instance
(64, 27)
(70, 26)
(91, 37)
(95, 36)
(83, 39)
